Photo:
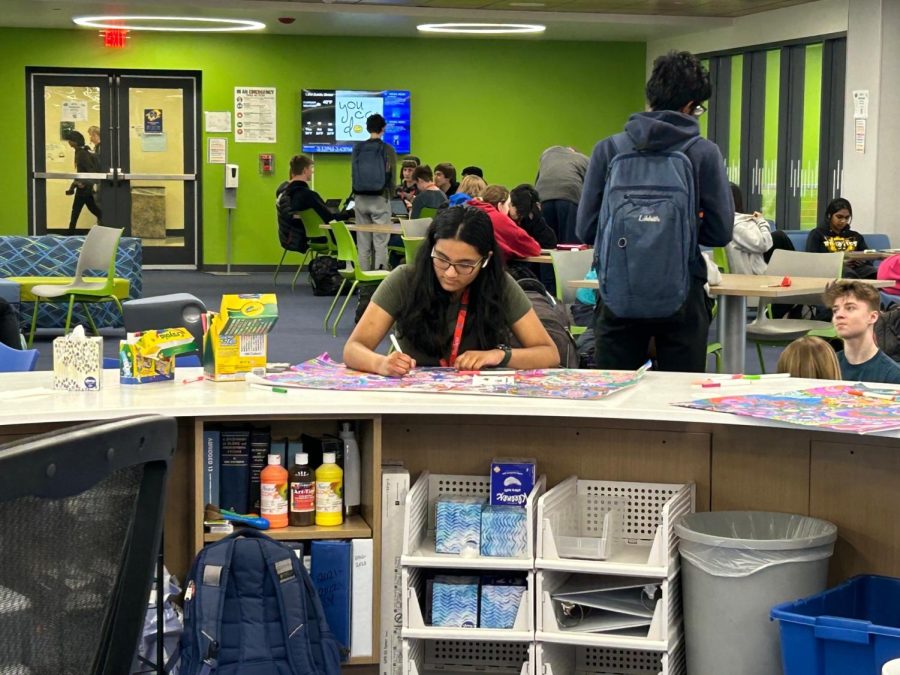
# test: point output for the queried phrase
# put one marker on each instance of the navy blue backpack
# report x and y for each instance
(647, 230)
(250, 609)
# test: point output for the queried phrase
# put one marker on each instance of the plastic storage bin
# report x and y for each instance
(451, 657)
(852, 629)
(557, 659)
(735, 566)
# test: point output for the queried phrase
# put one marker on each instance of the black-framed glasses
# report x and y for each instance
(463, 269)
(698, 110)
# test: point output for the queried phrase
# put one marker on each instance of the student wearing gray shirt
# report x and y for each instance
(559, 182)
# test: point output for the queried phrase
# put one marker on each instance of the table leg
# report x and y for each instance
(732, 331)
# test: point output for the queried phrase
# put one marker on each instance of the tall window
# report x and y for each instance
(777, 115)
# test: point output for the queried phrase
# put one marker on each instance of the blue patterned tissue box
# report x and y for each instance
(504, 531)
(500, 606)
(454, 602)
(457, 524)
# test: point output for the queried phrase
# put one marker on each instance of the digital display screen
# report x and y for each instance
(333, 120)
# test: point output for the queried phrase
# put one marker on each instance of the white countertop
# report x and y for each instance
(27, 398)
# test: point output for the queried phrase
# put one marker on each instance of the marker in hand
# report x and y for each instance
(398, 363)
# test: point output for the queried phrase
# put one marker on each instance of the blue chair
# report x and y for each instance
(17, 360)
(879, 242)
(798, 238)
(888, 299)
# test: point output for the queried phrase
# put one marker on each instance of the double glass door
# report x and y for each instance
(117, 149)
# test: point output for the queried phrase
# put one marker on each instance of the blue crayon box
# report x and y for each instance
(512, 480)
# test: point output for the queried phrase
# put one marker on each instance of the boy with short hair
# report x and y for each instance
(372, 202)
(854, 305)
(445, 178)
(429, 195)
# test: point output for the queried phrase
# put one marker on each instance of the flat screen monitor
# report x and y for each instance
(333, 120)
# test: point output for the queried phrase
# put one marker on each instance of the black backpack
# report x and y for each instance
(324, 276)
(369, 167)
(887, 332)
(553, 316)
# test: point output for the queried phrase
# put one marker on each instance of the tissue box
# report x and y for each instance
(457, 524)
(236, 343)
(504, 531)
(77, 361)
(149, 356)
(500, 605)
(512, 480)
(454, 602)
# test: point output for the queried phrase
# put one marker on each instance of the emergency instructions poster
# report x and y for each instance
(254, 114)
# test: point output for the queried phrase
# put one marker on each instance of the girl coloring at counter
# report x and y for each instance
(455, 306)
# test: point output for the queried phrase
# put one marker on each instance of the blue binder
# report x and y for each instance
(331, 575)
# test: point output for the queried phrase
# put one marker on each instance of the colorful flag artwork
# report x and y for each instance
(585, 385)
(851, 409)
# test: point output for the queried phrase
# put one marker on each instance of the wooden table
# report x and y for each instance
(393, 228)
(868, 255)
(734, 290)
(543, 258)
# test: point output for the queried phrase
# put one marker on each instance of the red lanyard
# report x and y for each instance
(457, 332)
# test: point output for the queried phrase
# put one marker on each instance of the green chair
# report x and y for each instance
(98, 252)
(346, 251)
(411, 246)
(570, 266)
(427, 212)
(720, 258)
(312, 224)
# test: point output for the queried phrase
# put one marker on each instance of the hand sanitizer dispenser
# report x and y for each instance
(231, 175)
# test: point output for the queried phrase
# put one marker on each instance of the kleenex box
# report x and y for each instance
(512, 480)
(454, 602)
(500, 605)
(504, 531)
(457, 527)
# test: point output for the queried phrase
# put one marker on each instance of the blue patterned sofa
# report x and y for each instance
(56, 256)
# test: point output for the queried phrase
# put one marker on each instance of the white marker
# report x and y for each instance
(395, 343)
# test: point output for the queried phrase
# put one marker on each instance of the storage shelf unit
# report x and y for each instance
(559, 659)
(648, 546)
(456, 657)
(414, 625)
(353, 527)
(419, 523)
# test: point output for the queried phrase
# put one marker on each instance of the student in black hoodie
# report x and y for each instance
(294, 196)
(678, 86)
(834, 234)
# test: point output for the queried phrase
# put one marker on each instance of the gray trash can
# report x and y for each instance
(736, 565)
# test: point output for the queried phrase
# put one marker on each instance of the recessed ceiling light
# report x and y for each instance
(482, 28)
(171, 24)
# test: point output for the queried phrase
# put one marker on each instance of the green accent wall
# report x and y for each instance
(812, 114)
(494, 103)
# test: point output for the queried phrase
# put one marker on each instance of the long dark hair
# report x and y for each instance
(527, 202)
(834, 206)
(423, 315)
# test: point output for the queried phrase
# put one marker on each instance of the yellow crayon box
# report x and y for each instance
(236, 342)
(149, 356)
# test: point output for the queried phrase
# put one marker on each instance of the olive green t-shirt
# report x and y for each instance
(390, 294)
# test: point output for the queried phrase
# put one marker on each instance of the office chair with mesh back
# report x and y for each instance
(80, 523)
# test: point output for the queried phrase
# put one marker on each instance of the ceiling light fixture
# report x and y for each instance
(482, 28)
(527, 4)
(169, 24)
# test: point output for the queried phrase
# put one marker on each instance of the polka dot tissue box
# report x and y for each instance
(77, 361)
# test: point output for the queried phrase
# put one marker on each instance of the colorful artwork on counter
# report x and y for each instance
(585, 385)
(838, 408)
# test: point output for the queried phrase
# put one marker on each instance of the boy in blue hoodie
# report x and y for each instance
(678, 85)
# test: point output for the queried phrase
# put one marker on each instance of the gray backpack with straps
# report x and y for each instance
(647, 231)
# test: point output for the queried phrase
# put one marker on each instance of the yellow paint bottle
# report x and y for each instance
(329, 492)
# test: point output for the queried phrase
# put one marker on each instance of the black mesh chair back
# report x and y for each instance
(80, 524)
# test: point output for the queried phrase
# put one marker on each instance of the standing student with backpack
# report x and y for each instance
(373, 164)
(652, 195)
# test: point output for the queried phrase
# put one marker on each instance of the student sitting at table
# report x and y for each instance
(809, 356)
(834, 234)
(455, 306)
(750, 241)
(470, 187)
(854, 305)
(525, 211)
(408, 187)
(429, 195)
(513, 241)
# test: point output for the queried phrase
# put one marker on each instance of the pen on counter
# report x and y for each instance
(395, 343)
(767, 376)
(193, 379)
(274, 390)
(725, 383)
